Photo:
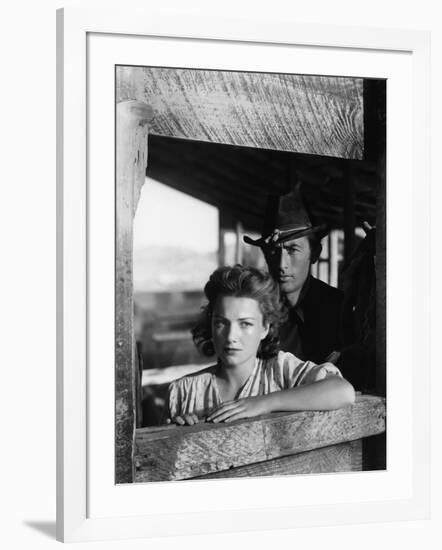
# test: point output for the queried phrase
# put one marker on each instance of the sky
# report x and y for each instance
(166, 217)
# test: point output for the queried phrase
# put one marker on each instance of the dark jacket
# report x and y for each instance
(312, 330)
(359, 352)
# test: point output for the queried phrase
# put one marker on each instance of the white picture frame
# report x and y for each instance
(89, 507)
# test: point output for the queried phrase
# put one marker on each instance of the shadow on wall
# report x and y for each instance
(47, 528)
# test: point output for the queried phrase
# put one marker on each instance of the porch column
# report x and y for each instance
(131, 161)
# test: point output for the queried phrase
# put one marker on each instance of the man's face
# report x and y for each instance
(289, 264)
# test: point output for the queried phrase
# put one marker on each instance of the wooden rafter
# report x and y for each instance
(318, 115)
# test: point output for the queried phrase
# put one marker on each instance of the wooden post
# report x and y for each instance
(375, 137)
(227, 223)
(131, 162)
(381, 280)
(333, 257)
(238, 243)
(221, 246)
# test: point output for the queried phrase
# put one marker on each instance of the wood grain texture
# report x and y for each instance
(171, 452)
(131, 161)
(299, 113)
(345, 457)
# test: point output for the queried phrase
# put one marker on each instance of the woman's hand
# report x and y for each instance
(245, 407)
(189, 419)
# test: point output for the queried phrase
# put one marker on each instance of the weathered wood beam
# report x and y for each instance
(317, 115)
(344, 457)
(175, 453)
(131, 161)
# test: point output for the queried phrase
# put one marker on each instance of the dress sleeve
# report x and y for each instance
(174, 399)
(298, 373)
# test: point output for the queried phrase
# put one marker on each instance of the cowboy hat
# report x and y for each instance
(288, 214)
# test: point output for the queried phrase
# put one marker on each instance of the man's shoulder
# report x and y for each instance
(320, 290)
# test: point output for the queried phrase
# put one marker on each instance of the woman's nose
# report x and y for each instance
(232, 333)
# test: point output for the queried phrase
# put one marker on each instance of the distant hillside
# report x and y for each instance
(171, 268)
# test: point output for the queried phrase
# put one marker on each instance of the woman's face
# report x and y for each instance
(237, 330)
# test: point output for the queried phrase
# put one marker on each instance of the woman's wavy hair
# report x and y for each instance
(242, 282)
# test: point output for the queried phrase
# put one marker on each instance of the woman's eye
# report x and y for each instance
(245, 324)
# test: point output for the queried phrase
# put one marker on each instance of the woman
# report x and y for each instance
(251, 377)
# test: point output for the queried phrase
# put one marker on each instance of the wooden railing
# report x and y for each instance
(274, 444)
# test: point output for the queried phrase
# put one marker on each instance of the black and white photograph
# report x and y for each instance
(221, 281)
(250, 274)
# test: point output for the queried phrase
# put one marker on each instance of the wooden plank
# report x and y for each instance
(193, 451)
(345, 457)
(131, 162)
(182, 452)
(300, 113)
(310, 429)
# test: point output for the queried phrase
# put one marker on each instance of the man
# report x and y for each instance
(358, 356)
(291, 243)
